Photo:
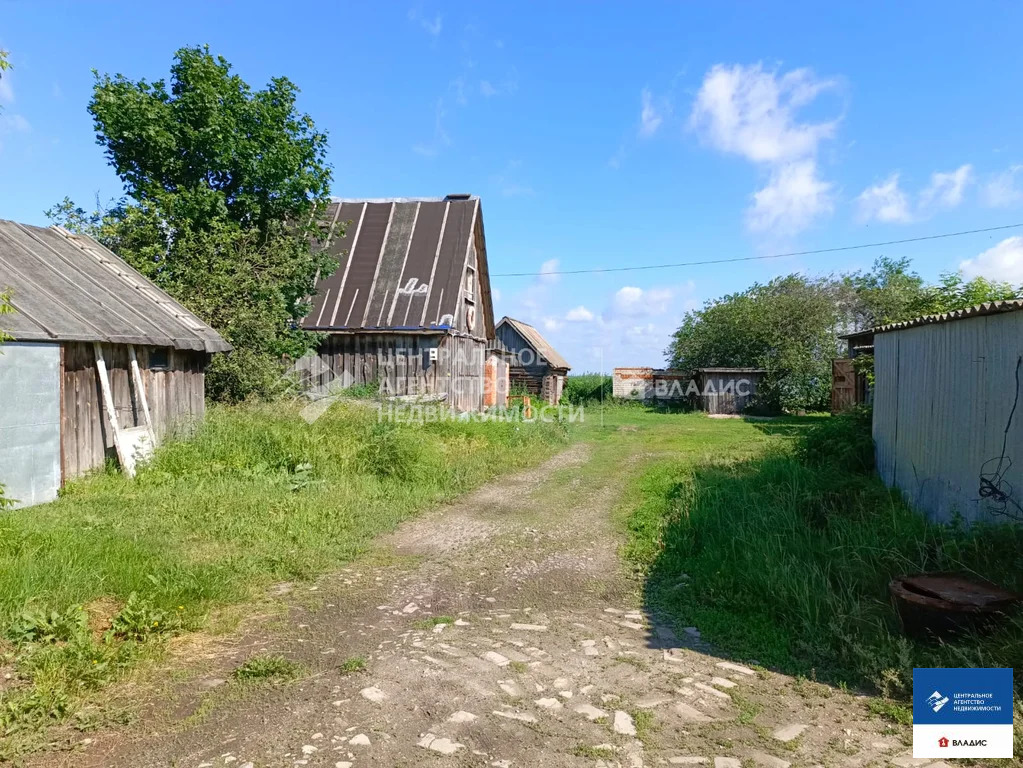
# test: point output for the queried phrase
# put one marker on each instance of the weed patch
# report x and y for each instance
(785, 557)
(275, 669)
(352, 665)
(256, 496)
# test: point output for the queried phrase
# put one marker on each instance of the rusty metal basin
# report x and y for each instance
(935, 605)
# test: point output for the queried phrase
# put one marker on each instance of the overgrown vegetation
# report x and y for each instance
(89, 582)
(267, 669)
(587, 388)
(223, 188)
(791, 325)
(786, 559)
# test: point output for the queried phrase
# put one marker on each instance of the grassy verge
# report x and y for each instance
(785, 559)
(90, 583)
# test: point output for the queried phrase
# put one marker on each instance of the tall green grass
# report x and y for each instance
(257, 496)
(587, 389)
(785, 559)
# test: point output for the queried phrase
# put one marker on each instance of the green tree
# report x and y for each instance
(787, 326)
(5, 63)
(953, 291)
(224, 186)
(888, 293)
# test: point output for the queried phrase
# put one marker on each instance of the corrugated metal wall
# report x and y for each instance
(30, 421)
(942, 398)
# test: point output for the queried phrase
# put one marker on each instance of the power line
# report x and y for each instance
(761, 258)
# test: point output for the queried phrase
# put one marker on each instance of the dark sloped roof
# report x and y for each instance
(978, 310)
(67, 287)
(402, 263)
(536, 341)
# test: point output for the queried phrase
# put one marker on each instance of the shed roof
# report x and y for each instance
(978, 310)
(401, 265)
(537, 342)
(67, 287)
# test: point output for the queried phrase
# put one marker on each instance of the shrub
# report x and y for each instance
(842, 441)
(275, 668)
(587, 388)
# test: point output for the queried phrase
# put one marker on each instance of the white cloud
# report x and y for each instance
(752, 112)
(632, 301)
(650, 118)
(1002, 262)
(579, 315)
(432, 27)
(547, 270)
(14, 124)
(794, 196)
(885, 201)
(1002, 191)
(487, 88)
(551, 324)
(946, 189)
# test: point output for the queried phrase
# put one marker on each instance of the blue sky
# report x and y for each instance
(598, 135)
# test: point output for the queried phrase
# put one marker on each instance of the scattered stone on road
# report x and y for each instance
(735, 668)
(373, 694)
(590, 712)
(462, 717)
(438, 744)
(789, 732)
(623, 724)
(529, 627)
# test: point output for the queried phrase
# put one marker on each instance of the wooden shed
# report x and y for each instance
(714, 390)
(89, 337)
(948, 421)
(409, 309)
(536, 366)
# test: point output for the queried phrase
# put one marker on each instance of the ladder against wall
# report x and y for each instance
(133, 444)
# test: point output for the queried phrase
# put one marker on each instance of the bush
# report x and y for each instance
(843, 441)
(587, 388)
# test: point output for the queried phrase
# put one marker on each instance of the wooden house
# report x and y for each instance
(92, 353)
(536, 366)
(409, 309)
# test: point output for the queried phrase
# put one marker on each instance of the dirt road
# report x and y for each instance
(499, 631)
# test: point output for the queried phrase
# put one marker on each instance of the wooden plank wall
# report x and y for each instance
(401, 365)
(724, 399)
(176, 398)
(942, 398)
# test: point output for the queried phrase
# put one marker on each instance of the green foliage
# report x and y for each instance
(587, 388)
(352, 665)
(48, 626)
(271, 668)
(139, 619)
(256, 496)
(223, 185)
(786, 558)
(791, 326)
(5, 63)
(786, 327)
(842, 442)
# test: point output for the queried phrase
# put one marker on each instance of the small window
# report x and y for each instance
(470, 285)
(159, 359)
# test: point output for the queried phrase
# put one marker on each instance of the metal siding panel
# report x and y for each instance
(390, 264)
(30, 421)
(328, 289)
(408, 308)
(944, 415)
(886, 404)
(447, 281)
(364, 264)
